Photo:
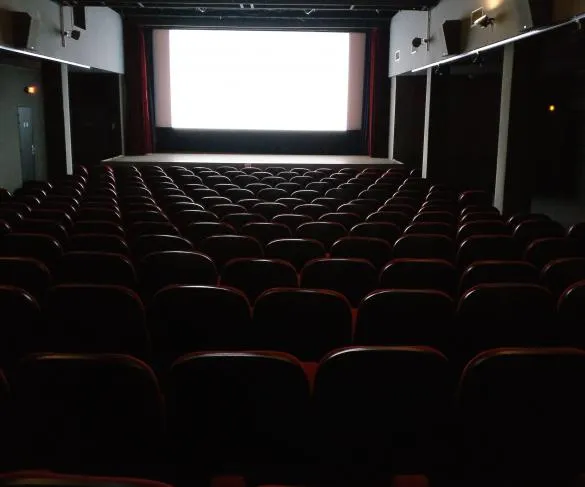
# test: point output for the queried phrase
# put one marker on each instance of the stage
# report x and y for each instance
(249, 160)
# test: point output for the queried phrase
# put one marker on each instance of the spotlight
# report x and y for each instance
(552, 108)
(418, 41)
(31, 90)
(72, 34)
(480, 19)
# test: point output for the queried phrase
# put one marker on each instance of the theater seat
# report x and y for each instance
(254, 276)
(223, 248)
(297, 251)
(50, 479)
(242, 412)
(292, 221)
(266, 232)
(324, 232)
(238, 220)
(544, 250)
(497, 272)
(504, 315)
(348, 220)
(21, 330)
(354, 278)
(419, 246)
(434, 274)
(375, 250)
(40, 247)
(197, 232)
(380, 410)
(529, 231)
(306, 323)
(98, 243)
(28, 274)
(487, 247)
(95, 318)
(186, 319)
(571, 310)
(521, 416)
(100, 414)
(559, 274)
(160, 269)
(96, 268)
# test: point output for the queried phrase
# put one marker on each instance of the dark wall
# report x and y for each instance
(15, 75)
(547, 149)
(251, 142)
(95, 116)
(410, 120)
(464, 124)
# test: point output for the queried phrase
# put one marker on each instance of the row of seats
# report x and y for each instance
(306, 323)
(365, 409)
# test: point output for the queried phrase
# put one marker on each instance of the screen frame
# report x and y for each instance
(351, 142)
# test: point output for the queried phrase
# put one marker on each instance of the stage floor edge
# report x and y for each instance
(163, 159)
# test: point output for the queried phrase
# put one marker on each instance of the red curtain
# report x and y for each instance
(379, 91)
(138, 111)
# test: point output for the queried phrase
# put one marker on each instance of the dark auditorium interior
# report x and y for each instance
(292, 243)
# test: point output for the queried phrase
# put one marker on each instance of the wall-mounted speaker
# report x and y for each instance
(453, 33)
(25, 30)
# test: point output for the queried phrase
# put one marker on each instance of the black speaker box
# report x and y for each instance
(25, 30)
(453, 33)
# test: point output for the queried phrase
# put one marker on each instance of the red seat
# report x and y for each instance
(354, 278)
(419, 246)
(197, 232)
(429, 274)
(254, 276)
(431, 228)
(223, 248)
(40, 247)
(560, 274)
(95, 268)
(497, 272)
(324, 232)
(147, 244)
(487, 247)
(348, 220)
(160, 269)
(238, 220)
(21, 332)
(505, 315)
(542, 251)
(375, 250)
(521, 416)
(303, 322)
(98, 243)
(269, 210)
(186, 319)
(529, 231)
(405, 317)
(95, 318)
(44, 227)
(266, 232)
(239, 411)
(292, 221)
(314, 210)
(139, 229)
(297, 251)
(381, 409)
(482, 227)
(92, 413)
(398, 218)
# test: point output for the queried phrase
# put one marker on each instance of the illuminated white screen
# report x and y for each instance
(258, 80)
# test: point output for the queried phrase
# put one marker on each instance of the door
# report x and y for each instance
(27, 144)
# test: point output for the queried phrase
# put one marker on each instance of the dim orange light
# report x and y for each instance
(31, 90)
(552, 108)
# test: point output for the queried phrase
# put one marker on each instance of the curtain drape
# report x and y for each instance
(379, 92)
(139, 133)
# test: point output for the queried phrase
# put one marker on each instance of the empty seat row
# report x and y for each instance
(361, 411)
